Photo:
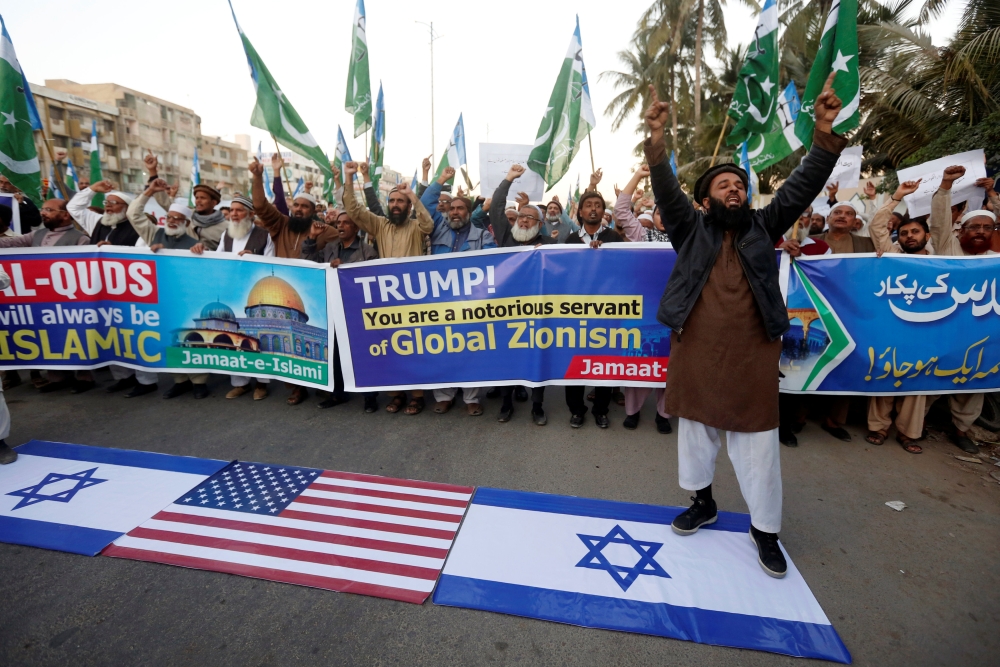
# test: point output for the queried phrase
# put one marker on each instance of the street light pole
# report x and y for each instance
(433, 37)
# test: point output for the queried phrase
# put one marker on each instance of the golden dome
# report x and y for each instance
(271, 291)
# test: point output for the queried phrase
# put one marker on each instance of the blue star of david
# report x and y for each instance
(623, 576)
(31, 495)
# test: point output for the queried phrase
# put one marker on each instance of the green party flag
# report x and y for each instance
(274, 113)
(763, 150)
(95, 165)
(454, 155)
(359, 90)
(838, 52)
(568, 118)
(378, 142)
(18, 157)
(756, 94)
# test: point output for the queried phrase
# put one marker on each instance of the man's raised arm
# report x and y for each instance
(270, 218)
(676, 212)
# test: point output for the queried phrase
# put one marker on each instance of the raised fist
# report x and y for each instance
(515, 171)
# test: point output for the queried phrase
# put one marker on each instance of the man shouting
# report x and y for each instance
(726, 315)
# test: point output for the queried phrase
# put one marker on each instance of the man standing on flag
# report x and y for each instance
(724, 307)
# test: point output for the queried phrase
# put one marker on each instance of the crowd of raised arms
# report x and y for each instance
(436, 219)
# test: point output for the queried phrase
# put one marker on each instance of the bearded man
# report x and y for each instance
(557, 224)
(287, 231)
(106, 228)
(174, 233)
(395, 236)
(724, 307)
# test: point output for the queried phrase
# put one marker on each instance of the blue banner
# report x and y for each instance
(72, 308)
(535, 316)
(896, 324)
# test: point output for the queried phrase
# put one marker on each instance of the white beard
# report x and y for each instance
(174, 231)
(112, 219)
(237, 230)
(521, 235)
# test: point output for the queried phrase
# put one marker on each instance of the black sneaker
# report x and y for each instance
(200, 391)
(121, 385)
(538, 415)
(178, 389)
(140, 390)
(769, 553)
(602, 421)
(702, 513)
(663, 425)
(7, 455)
(576, 421)
(506, 412)
(371, 404)
(631, 422)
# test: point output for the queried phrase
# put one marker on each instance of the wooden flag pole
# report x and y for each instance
(288, 185)
(719, 142)
(593, 169)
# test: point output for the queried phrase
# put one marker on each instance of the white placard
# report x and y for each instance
(962, 190)
(153, 207)
(494, 163)
(15, 222)
(847, 173)
(821, 205)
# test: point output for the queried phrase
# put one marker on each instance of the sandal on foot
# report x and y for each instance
(395, 404)
(415, 407)
(442, 407)
(475, 409)
(875, 437)
(909, 444)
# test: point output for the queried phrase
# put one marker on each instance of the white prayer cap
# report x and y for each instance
(308, 197)
(180, 208)
(646, 216)
(124, 196)
(975, 214)
(856, 205)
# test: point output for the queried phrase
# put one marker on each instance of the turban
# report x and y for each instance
(180, 208)
(124, 196)
(244, 201)
(980, 213)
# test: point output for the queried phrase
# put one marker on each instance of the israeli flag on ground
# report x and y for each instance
(80, 499)
(619, 566)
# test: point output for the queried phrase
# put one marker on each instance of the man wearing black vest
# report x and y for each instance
(174, 234)
(243, 237)
(111, 227)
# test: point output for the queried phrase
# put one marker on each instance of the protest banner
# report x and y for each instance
(532, 316)
(847, 173)
(962, 190)
(494, 163)
(898, 324)
(168, 311)
(8, 200)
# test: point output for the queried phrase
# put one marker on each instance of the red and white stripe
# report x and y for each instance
(346, 532)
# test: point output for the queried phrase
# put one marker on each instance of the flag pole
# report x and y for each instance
(288, 185)
(593, 169)
(719, 142)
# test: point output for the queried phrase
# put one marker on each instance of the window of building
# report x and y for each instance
(224, 154)
(56, 114)
(109, 126)
(173, 137)
(129, 100)
(77, 116)
(110, 150)
(163, 112)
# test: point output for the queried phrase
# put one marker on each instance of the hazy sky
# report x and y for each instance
(496, 63)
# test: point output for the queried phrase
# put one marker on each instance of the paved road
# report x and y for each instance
(913, 588)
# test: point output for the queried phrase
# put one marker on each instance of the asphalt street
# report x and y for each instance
(917, 587)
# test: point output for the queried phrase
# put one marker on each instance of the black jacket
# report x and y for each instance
(698, 243)
(501, 225)
(607, 236)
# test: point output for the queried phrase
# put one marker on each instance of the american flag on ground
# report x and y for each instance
(336, 530)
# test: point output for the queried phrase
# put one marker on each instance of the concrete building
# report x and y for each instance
(67, 120)
(223, 165)
(144, 123)
(296, 167)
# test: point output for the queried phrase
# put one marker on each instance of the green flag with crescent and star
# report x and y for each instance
(756, 96)
(359, 89)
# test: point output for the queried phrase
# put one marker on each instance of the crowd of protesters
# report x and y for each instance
(435, 219)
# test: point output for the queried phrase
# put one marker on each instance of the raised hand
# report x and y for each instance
(276, 163)
(152, 164)
(832, 190)
(102, 186)
(827, 106)
(460, 192)
(446, 175)
(350, 168)
(363, 168)
(425, 166)
(870, 190)
(595, 178)
(515, 172)
(403, 189)
(308, 186)
(316, 229)
(950, 175)
(987, 184)
(486, 204)
(643, 170)
(906, 188)
(257, 169)
(158, 185)
(522, 199)
(336, 174)
(172, 191)
(657, 114)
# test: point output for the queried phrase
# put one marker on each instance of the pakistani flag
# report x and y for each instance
(72, 181)
(568, 119)
(274, 113)
(195, 178)
(756, 94)
(95, 165)
(838, 52)
(765, 150)
(18, 157)
(454, 155)
(359, 89)
(378, 142)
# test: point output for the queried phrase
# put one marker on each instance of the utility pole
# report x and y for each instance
(433, 38)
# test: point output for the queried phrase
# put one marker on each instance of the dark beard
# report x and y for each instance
(53, 225)
(298, 225)
(912, 250)
(727, 219)
(398, 218)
